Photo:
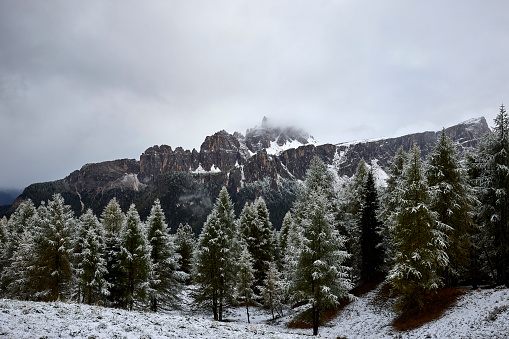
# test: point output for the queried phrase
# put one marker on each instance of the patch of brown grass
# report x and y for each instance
(434, 307)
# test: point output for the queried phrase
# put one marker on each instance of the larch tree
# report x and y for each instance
(166, 280)
(451, 198)
(215, 257)
(492, 185)
(419, 237)
(134, 261)
(320, 277)
(372, 254)
(273, 291)
(112, 219)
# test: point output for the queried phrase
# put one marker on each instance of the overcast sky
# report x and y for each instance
(89, 81)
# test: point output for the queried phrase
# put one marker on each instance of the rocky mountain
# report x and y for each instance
(269, 160)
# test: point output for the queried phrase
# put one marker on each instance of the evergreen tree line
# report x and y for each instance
(437, 222)
(48, 254)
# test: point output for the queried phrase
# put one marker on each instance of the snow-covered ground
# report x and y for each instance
(477, 314)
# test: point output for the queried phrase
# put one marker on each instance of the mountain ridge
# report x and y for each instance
(249, 166)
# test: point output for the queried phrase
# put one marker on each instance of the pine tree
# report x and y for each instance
(55, 250)
(492, 167)
(112, 219)
(167, 279)
(134, 260)
(419, 237)
(283, 233)
(245, 279)
(452, 198)
(273, 291)
(370, 240)
(185, 243)
(215, 257)
(91, 263)
(320, 276)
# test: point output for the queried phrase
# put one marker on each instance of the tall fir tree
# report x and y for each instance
(185, 244)
(55, 250)
(134, 261)
(452, 198)
(320, 277)
(372, 254)
(419, 237)
(112, 219)
(492, 184)
(166, 278)
(216, 256)
(91, 263)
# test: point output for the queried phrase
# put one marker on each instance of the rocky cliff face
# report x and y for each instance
(187, 181)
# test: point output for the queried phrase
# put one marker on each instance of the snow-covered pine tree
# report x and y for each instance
(185, 243)
(23, 218)
(55, 250)
(90, 261)
(390, 204)
(419, 237)
(492, 184)
(166, 280)
(452, 198)
(256, 232)
(273, 291)
(370, 227)
(245, 280)
(320, 277)
(352, 204)
(134, 260)
(216, 256)
(284, 231)
(21, 271)
(112, 219)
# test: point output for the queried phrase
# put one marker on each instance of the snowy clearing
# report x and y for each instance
(477, 314)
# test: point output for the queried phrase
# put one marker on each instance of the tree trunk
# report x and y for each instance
(316, 319)
(247, 310)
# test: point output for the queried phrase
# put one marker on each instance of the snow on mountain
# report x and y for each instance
(477, 314)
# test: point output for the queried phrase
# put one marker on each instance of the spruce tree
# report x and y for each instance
(419, 237)
(91, 263)
(370, 240)
(320, 277)
(112, 219)
(492, 184)
(452, 198)
(185, 244)
(166, 279)
(244, 280)
(55, 250)
(216, 256)
(134, 260)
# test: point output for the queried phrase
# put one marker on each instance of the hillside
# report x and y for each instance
(476, 314)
